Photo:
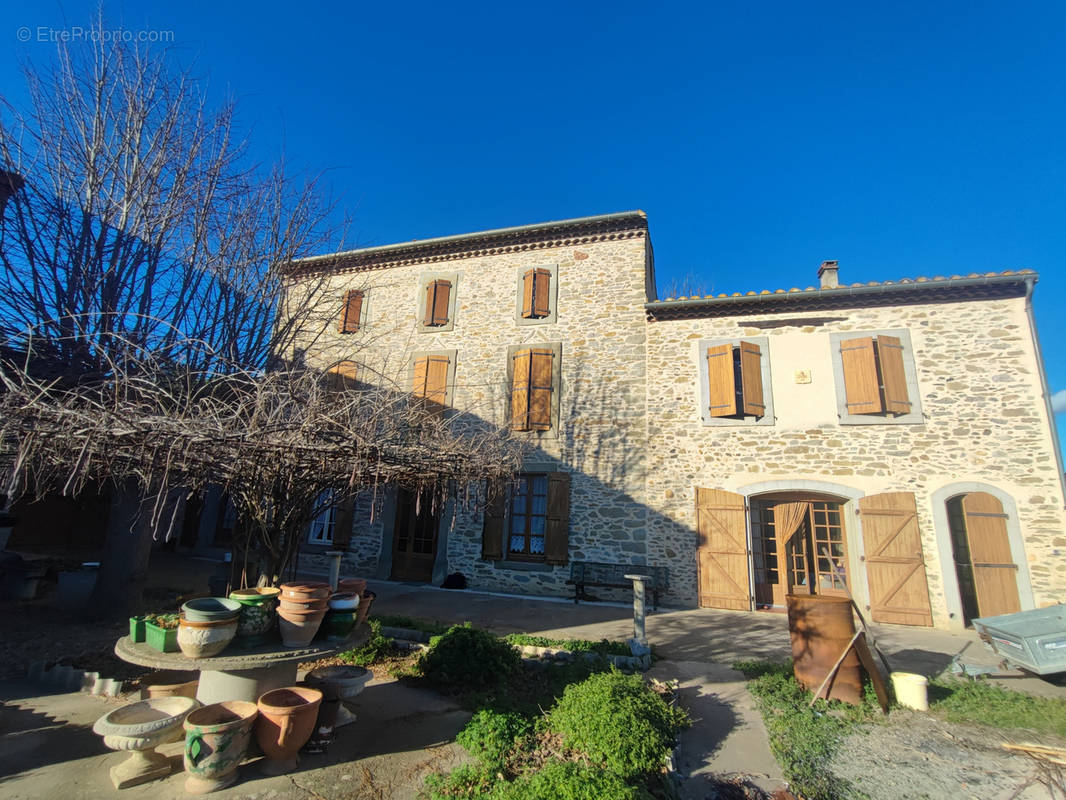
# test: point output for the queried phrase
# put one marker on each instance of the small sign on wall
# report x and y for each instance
(802, 376)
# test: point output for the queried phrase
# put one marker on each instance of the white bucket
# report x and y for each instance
(912, 691)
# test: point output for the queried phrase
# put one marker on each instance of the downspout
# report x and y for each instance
(1030, 283)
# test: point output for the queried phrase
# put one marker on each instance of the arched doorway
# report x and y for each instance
(985, 568)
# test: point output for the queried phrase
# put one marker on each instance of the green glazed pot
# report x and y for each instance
(216, 739)
(257, 617)
(338, 624)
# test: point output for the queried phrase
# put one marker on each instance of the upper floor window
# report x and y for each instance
(351, 312)
(534, 379)
(875, 377)
(436, 312)
(537, 295)
(432, 377)
(735, 382)
(325, 519)
(438, 294)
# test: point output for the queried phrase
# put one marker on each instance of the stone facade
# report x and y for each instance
(631, 430)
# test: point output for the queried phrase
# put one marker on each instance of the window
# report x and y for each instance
(436, 311)
(433, 376)
(735, 382)
(537, 295)
(875, 377)
(351, 312)
(534, 510)
(532, 388)
(343, 375)
(324, 522)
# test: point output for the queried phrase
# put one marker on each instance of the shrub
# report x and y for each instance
(466, 659)
(604, 647)
(468, 782)
(489, 735)
(617, 721)
(561, 780)
(375, 649)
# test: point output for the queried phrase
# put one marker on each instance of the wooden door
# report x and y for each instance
(994, 571)
(414, 541)
(723, 550)
(895, 566)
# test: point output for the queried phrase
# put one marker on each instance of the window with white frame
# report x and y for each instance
(321, 529)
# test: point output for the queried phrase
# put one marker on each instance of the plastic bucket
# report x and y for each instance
(912, 691)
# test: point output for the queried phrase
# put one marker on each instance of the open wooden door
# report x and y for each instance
(995, 579)
(895, 566)
(723, 550)
(414, 540)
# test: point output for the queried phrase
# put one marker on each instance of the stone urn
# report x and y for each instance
(257, 615)
(339, 686)
(299, 626)
(140, 728)
(286, 721)
(216, 739)
(205, 639)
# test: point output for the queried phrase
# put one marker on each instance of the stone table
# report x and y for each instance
(238, 674)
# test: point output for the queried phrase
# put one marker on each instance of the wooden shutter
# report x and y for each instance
(994, 571)
(520, 390)
(893, 376)
(861, 388)
(438, 295)
(351, 312)
(431, 379)
(895, 566)
(541, 281)
(721, 383)
(751, 379)
(557, 540)
(540, 389)
(527, 294)
(342, 523)
(723, 550)
(492, 531)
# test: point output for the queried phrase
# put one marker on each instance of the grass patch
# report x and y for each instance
(429, 626)
(604, 647)
(804, 739)
(985, 703)
(377, 648)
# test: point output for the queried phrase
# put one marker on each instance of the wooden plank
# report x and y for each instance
(895, 564)
(723, 553)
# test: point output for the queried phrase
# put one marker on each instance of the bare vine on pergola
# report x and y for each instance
(274, 441)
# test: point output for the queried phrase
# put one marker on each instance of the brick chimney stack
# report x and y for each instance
(828, 275)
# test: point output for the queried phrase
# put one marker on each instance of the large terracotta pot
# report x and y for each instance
(286, 721)
(355, 586)
(298, 628)
(257, 616)
(216, 738)
(303, 592)
(304, 605)
(205, 639)
(820, 628)
(170, 683)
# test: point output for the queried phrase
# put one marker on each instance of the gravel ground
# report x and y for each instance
(914, 755)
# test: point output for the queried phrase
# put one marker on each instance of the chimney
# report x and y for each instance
(828, 274)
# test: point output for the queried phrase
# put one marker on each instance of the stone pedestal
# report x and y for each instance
(639, 606)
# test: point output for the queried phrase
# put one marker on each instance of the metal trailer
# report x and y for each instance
(1034, 640)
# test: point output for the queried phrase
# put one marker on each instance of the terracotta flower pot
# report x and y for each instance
(298, 628)
(216, 738)
(170, 683)
(303, 592)
(286, 721)
(257, 616)
(354, 585)
(205, 639)
(304, 605)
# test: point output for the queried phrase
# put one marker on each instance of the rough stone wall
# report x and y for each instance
(601, 437)
(984, 421)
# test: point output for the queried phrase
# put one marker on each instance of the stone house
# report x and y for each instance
(894, 439)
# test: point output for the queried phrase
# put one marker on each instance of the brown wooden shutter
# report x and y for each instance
(540, 389)
(721, 383)
(350, 314)
(527, 294)
(895, 566)
(492, 531)
(893, 375)
(861, 388)
(520, 390)
(723, 550)
(557, 538)
(751, 379)
(418, 385)
(994, 571)
(342, 523)
(541, 280)
(438, 295)
(431, 379)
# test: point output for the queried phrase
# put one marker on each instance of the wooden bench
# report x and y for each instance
(613, 576)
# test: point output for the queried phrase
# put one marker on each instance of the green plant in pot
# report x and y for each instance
(161, 632)
(257, 616)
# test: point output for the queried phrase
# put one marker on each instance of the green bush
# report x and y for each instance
(376, 648)
(604, 647)
(621, 724)
(490, 734)
(561, 780)
(468, 782)
(466, 659)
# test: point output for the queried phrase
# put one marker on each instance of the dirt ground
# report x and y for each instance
(916, 755)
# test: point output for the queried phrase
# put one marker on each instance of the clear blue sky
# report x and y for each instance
(904, 139)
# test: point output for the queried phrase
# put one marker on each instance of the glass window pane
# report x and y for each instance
(536, 526)
(540, 484)
(540, 505)
(518, 524)
(518, 544)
